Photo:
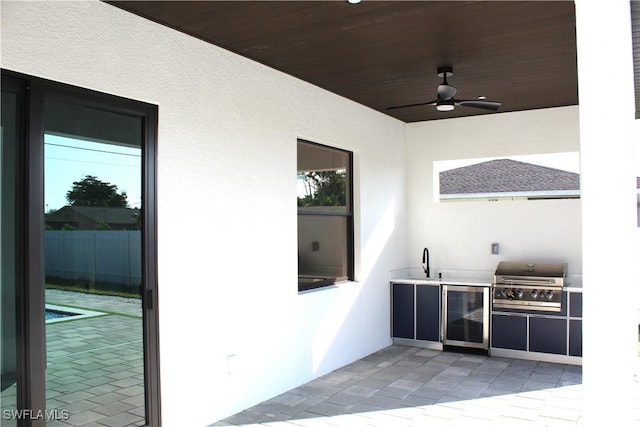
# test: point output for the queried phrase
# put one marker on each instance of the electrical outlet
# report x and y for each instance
(495, 248)
(315, 246)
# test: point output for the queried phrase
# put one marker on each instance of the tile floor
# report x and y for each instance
(94, 365)
(95, 368)
(408, 386)
(95, 372)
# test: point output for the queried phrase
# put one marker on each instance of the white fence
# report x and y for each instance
(94, 256)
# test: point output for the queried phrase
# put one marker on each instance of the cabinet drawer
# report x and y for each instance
(548, 335)
(509, 332)
(575, 337)
(575, 304)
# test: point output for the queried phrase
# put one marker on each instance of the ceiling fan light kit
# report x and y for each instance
(445, 106)
(445, 100)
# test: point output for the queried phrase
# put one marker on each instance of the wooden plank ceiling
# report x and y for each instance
(385, 53)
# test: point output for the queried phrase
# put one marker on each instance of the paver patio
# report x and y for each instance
(95, 367)
(95, 371)
(408, 386)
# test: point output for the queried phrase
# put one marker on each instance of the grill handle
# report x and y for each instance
(510, 280)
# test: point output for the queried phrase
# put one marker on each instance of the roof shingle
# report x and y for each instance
(506, 176)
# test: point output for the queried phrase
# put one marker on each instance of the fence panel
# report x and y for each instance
(94, 256)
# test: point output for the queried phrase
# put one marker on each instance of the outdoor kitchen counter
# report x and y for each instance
(462, 281)
(415, 276)
(573, 287)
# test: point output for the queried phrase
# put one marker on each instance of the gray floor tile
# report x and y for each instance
(446, 389)
(395, 392)
(327, 409)
(358, 390)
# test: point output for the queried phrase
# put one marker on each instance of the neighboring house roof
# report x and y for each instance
(507, 176)
(115, 216)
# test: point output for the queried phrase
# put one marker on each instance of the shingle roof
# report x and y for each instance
(100, 214)
(506, 176)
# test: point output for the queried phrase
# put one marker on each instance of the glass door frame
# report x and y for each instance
(32, 346)
(483, 291)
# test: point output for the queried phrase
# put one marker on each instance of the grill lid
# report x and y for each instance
(511, 268)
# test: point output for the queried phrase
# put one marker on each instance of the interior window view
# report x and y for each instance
(528, 177)
(325, 217)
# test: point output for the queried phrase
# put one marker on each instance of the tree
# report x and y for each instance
(326, 188)
(90, 191)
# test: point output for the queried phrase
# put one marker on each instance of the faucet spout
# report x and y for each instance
(425, 262)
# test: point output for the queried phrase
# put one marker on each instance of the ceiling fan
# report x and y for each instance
(446, 101)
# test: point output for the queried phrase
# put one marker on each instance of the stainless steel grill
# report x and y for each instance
(529, 286)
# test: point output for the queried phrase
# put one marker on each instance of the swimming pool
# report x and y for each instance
(50, 314)
(58, 313)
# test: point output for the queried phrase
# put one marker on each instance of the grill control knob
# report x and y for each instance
(519, 293)
(534, 293)
(549, 294)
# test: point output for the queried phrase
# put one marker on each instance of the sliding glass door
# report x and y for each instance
(93, 259)
(10, 214)
(89, 323)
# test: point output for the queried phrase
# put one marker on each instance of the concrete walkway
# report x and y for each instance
(407, 386)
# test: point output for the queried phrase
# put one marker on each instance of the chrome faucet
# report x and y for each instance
(425, 262)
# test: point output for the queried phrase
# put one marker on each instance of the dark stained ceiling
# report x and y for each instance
(385, 53)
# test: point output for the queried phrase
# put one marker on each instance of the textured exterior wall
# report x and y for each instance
(535, 230)
(228, 129)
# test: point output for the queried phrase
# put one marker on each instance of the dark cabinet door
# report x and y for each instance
(548, 335)
(575, 337)
(403, 306)
(509, 332)
(575, 304)
(428, 313)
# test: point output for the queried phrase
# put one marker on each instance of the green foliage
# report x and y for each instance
(68, 226)
(326, 188)
(73, 288)
(103, 226)
(90, 191)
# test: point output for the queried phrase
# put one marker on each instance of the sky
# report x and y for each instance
(68, 160)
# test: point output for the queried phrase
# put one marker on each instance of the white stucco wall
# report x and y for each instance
(227, 215)
(459, 234)
(227, 210)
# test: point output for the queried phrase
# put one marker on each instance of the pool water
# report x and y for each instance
(50, 314)
(60, 313)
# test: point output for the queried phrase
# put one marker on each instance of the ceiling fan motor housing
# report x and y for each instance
(445, 71)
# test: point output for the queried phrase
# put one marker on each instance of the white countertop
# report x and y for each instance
(442, 277)
(463, 281)
(415, 276)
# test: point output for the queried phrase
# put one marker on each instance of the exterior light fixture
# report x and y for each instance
(445, 105)
(354, 1)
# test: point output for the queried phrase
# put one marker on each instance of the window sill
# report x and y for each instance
(308, 285)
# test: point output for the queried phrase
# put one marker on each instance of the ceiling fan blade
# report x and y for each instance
(411, 105)
(446, 91)
(485, 105)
